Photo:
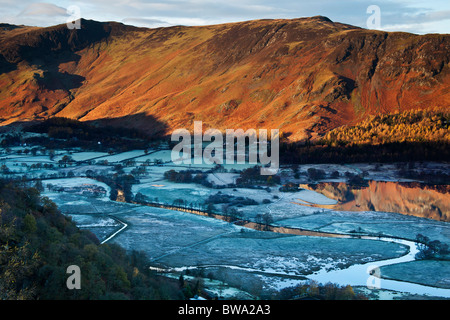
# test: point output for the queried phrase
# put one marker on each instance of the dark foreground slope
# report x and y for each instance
(38, 243)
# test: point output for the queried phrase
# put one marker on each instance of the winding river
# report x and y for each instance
(366, 274)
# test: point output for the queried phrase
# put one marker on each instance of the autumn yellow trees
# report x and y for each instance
(409, 126)
(416, 135)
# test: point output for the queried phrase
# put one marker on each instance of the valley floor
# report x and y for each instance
(235, 261)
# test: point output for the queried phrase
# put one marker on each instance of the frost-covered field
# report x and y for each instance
(369, 222)
(161, 232)
(163, 155)
(222, 178)
(167, 192)
(282, 254)
(102, 226)
(282, 205)
(436, 275)
(183, 241)
(78, 182)
(122, 156)
(82, 156)
(245, 258)
(178, 239)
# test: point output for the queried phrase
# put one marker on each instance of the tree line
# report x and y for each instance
(38, 243)
(63, 133)
(418, 135)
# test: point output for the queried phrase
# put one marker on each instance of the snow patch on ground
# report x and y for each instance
(315, 197)
(222, 178)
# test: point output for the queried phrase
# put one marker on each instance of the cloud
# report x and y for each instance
(43, 9)
(146, 22)
(32, 13)
(421, 22)
(432, 16)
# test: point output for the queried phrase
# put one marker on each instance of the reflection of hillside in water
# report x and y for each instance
(411, 198)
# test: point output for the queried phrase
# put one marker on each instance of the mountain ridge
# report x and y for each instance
(304, 76)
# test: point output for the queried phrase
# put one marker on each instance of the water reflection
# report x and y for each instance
(410, 198)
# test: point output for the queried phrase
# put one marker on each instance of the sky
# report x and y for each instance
(421, 17)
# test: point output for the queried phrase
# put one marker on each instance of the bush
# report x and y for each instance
(429, 249)
(316, 174)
